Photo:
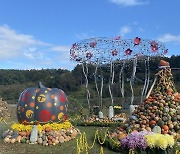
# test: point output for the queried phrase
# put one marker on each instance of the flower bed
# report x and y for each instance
(52, 126)
(48, 134)
(143, 142)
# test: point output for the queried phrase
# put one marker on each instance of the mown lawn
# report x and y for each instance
(65, 148)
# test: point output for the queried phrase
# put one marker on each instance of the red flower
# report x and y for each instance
(114, 52)
(89, 55)
(137, 41)
(93, 44)
(166, 51)
(117, 38)
(73, 45)
(128, 52)
(73, 55)
(154, 46)
(154, 43)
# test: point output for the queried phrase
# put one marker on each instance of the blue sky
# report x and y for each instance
(37, 34)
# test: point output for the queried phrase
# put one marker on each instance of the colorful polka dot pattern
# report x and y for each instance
(42, 105)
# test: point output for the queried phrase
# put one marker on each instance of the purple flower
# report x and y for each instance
(124, 142)
(135, 140)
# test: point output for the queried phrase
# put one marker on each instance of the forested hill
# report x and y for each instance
(13, 82)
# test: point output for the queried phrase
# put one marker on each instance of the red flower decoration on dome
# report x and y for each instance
(117, 38)
(73, 45)
(128, 52)
(89, 55)
(154, 46)
(114, 52)
(93, 44)
(166, 51)
(137, 41)
(73, 55)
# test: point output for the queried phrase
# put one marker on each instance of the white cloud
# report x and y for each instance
(169, 38)
(126, 3)
(28, 55)
(63, 52)
(61, 48)
(124, 30)
(13, 44)
(32, 52)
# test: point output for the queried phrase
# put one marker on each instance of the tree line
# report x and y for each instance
(13, 82)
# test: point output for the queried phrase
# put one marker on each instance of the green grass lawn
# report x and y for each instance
(65, 148)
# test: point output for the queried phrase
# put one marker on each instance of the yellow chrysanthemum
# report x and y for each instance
(52, 126)
(159, 141)
(170, 140)
(162, 143)
(151, 141)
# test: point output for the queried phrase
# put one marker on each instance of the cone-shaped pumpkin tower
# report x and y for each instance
(161, 106)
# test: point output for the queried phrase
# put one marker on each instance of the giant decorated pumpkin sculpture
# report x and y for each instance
(42, 105)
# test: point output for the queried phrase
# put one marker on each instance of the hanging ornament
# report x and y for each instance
(73, 56)
(137, 41)
(114, 53)
(89, 55)
(154, 46)
(93, 44)
(117, 38)
(128, 52)
(73, 45)
(165, 51)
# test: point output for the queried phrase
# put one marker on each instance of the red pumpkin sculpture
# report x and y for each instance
(42, 105)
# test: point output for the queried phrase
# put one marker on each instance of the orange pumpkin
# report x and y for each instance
(164, 131)
(22, 133)
(165, 127)
(152, 122)
(169, 92)
(163, 63)
(150, 97)
(177, 100)
(150, 107)
(50, 137)
(177, 96)
(147, 101)
(121, 135)
(47, 129)
(49, 142)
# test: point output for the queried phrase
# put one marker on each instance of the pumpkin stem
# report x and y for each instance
(40, 85)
